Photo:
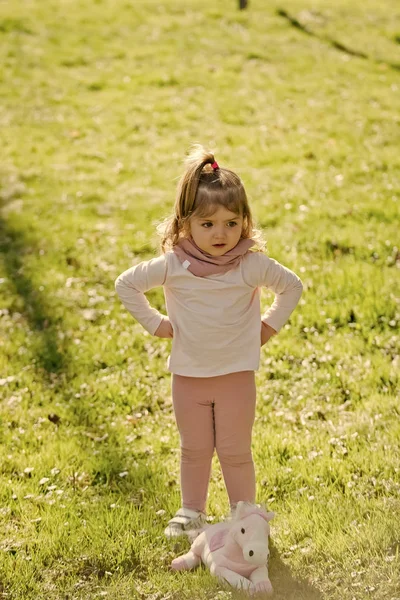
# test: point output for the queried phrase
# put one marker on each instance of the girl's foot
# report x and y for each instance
(186, 522)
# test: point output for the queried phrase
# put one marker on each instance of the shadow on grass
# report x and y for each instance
(111, 484)
(286, 586)
(14, 247)
(332, 42)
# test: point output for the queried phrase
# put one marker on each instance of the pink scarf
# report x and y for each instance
(203, 264)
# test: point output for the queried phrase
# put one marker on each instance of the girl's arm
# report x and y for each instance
(131, 286)
(286, 285)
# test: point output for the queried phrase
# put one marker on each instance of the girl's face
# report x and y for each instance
(218, 233)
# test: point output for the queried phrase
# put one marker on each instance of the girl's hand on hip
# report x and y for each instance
(165, 329)
(266, 333)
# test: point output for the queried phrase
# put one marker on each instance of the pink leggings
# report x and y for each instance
(215, 412)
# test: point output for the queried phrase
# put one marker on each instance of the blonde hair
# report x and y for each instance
(201, 189)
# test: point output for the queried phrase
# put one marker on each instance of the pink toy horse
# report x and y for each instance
(236, 550)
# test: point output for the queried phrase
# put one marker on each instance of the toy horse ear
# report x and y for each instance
(268, 515)
(241, 509)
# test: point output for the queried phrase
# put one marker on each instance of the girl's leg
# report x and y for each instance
(234, 412)
(194, 417)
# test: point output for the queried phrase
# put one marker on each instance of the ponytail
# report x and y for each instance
(189, 182)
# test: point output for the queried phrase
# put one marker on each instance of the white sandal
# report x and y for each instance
(186, 522)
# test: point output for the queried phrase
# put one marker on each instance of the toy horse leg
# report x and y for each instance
(186, 562)
(261, 582)
(231, 577)
(192, 558)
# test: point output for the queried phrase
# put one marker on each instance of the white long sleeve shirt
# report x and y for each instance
(216, 319)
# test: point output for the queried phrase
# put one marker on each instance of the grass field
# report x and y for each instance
(99, 101)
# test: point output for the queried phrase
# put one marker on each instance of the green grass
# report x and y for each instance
(99, 101)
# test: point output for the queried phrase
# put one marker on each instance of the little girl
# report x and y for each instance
(211, 280)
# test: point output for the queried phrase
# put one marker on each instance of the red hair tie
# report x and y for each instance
(215, 165)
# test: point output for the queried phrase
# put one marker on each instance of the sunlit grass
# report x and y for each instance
(98, 102)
